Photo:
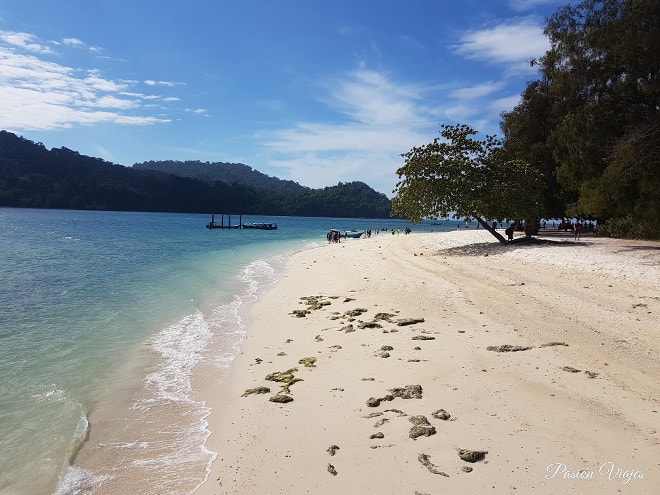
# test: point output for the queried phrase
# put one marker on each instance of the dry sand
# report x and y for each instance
(574, 408)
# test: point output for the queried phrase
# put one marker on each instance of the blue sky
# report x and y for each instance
(316, 91)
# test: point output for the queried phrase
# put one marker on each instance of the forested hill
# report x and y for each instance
(34, 177)
(230, 173)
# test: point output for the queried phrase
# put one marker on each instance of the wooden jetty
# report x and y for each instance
(214, 225)
(260, 226)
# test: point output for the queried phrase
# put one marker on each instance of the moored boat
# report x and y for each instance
(250, 225)
(261, 226)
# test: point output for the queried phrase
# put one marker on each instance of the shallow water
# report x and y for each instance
(103, 317)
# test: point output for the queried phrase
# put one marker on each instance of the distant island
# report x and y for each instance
(31, 176)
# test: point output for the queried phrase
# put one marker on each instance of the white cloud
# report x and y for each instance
(73, 42)
(505, 104)
(512, 43)
(24, 41)
(385, 119)
(379, 119)
(477, 91)
(150, 82)
(36, 94)
(114, 102)
(103, 152)
(99, 84)
(369, 97)
(523, 5)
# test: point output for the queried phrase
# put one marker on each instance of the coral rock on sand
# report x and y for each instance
(421, 427)
(471, 455)
(309, 362)
(284, 376)
(408, 392)
(441, 414)
(256, 390)
(281, 398)
(369, 324)
(508, 348)
(333, 449)
(355, 312)
(409, 321)
(551, 344)
(425, 459)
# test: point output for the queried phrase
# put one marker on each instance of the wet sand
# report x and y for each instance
(446, 363)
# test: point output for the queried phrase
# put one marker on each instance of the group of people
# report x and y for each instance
(335, 235)
(530, 229)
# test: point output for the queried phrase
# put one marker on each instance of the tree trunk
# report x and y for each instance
(490, 229)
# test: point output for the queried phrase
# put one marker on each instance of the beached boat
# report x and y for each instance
(261, 226)
(336, 235)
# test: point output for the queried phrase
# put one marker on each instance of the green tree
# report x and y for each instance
(598, 134)
(467, 177)
(526, 130)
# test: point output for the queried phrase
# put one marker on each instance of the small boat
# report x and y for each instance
(352, 234)
(261, 226)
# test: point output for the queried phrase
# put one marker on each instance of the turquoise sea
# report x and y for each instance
(104, 316)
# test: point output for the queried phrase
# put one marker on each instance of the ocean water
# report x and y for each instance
(104, 316)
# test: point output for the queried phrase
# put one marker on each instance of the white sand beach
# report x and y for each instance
(540, 359)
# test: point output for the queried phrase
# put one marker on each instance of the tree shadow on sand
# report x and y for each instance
(487, 248)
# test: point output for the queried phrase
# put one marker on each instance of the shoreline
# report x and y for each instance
(583, 393)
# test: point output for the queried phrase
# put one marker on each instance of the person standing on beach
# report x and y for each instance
(509, 232)
(577, 228)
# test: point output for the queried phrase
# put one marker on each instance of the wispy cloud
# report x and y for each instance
(525, 5)
(379, 118)
(76, 43)
(24, 41)
(371, 98)
(377, 121)
(73, 42)
(511, 43)
(169, 84)
(477, 91)
(37, 94)
(506, 103)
